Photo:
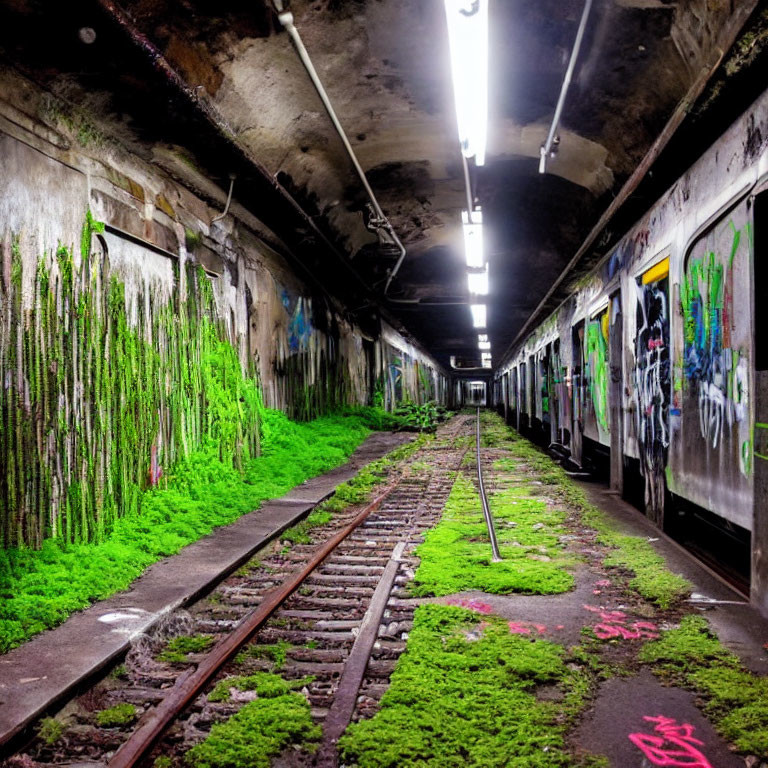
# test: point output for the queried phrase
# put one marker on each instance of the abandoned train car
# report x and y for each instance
(653, 370)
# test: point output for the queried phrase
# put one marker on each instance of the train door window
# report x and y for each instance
(596, 371)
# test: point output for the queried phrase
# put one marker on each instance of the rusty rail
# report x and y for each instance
(153, 724)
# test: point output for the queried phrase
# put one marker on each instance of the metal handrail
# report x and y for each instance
(486, 508)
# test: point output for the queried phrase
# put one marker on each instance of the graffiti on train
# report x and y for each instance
(597, 367)
(652, 384)
(714, 366)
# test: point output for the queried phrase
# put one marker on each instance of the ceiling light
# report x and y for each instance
(484, 345)
(478, 315)
(482, 337)
(473, 238)
(477, 282)
(468, 43)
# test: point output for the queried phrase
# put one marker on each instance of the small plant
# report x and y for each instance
(50, 730)
(120, 714)
(177, 649)
(163, 761)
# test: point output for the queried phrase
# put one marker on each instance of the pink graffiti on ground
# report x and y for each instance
(472, 603)
(615, 624)
(681, 750)
(525, 627)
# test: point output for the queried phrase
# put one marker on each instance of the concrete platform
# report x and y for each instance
(55, 663)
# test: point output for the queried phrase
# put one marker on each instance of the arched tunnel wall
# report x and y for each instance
(132, 328)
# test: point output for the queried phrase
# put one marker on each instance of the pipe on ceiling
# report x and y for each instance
(380, 222)
(546, 147)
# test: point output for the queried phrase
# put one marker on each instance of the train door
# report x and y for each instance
(759, 587)
(577, 393)
(596, 375)
(514, 414)
(651, 383)
(711, 414)
(616, 391)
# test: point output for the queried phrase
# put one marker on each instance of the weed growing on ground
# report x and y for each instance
(456, 555)
(50, 730)
(120, 714)
(734, 699)
(178, 647)
(277, 653)
(481, 709)
(266, 685)
(261, 729)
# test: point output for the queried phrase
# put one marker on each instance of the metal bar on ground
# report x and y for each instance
(486, 509)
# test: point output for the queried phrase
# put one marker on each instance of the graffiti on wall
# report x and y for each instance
(596, 352)
(713, 364)
(652, 382)
(299, 311)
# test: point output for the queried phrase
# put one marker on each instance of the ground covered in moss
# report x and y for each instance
(503, 692)
(481, 708)
(40, 588)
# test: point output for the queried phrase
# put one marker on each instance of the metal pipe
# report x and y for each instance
(496, 558)
(229, 200)
(546, 147)
(468, 188)
(286, 19)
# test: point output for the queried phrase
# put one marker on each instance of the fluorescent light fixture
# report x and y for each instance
(477, 282)
(473, 238)
(484, 345)
(486, 358)
(478, 315)
(468, 42)
(482, 337)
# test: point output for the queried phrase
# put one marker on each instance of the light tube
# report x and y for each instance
(478, 315)
(473, 238)
(477, 282)
(484, 345)
(468, 42)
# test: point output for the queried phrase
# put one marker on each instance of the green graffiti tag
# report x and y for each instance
(597, 367)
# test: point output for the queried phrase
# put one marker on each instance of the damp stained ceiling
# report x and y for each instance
(385, 66)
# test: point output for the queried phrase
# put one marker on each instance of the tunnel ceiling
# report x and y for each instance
(385, 66)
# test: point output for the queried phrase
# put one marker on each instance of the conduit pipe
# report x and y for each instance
(546, 147)
(380, 222)
(229, 200)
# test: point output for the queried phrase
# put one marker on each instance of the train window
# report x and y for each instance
(760, 279)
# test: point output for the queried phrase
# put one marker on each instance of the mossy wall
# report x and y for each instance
(120, 356)
(99, 396)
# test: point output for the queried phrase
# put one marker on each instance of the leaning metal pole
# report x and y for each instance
(486, 509)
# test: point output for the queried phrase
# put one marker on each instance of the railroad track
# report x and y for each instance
(337, 611)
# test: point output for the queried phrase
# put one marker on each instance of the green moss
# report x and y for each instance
(266, 685)
(50, 730)
(178, 647)
(120, 714)
(735, 700)
(482, 708)
(259, 731)
(277, 653)
(456, 555)
(163, 761)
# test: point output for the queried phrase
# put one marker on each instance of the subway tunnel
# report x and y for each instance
(383, 383)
